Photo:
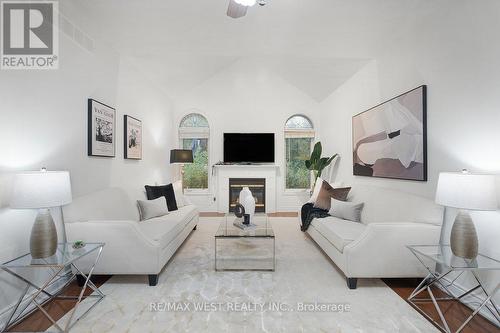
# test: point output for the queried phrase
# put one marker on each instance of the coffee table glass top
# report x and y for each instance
(442, 254)
(261, 228)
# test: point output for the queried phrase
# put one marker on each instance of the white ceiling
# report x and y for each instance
(314, 44)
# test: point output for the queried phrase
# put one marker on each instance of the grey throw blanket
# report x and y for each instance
(308, 213)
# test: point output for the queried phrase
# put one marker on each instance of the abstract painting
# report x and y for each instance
(389, 140)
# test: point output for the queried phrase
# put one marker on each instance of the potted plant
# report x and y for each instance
(317, 163)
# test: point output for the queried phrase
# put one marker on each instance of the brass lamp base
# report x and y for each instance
(43, 239)
(463, 241)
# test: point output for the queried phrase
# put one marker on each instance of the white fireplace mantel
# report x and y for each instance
(224, 172)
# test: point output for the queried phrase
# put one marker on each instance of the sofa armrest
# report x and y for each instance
(127, 250)
(381, 250)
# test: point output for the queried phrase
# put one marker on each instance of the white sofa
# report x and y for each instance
(376, 247)
(132, 246)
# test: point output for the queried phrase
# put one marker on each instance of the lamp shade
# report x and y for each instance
(465, 190)
(44, 189)
(181, 156)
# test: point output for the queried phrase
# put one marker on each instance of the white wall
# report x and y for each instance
(456, 55)
(43, 120)
(247, 97)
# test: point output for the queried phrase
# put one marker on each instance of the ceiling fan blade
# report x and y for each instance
(235, 10)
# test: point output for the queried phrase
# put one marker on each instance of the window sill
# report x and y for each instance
(199, 192)
(296, 191)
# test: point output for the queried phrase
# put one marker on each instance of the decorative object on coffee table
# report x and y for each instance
(181, 156)
(465, 191)
(239, 210)
(101, 128)
(42, 190)
(132, 140)
(248, 201)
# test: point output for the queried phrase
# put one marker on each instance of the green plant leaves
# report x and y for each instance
(317, 163)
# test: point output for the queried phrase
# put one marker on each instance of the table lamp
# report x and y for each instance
(181, 156)
(42, 190)
(466, 191)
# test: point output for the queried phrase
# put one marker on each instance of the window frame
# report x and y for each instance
(308, 133)
(195, 133)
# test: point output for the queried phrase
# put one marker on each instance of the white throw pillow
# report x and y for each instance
(152, 208)
(179, 195)
(346, 210)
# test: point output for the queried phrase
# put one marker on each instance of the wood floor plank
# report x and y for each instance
(454, 312)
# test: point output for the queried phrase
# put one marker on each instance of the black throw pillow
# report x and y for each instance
(167, 191)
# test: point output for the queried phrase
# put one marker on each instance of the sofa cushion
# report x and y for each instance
(111, 204)
(339, 232)
(164, 229)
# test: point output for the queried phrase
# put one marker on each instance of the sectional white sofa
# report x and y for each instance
(132, 246)
(376, 247)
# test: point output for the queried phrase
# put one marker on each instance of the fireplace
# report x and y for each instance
(256, 185)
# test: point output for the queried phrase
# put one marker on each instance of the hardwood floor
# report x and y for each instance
(454, 312)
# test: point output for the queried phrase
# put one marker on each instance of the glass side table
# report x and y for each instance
(61, 265)
(250, 249)
(433, 257)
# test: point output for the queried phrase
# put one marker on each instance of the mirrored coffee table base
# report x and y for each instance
(250, 249)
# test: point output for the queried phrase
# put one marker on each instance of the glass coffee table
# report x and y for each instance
(252, 248)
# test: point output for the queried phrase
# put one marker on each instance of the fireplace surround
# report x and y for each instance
(222, 174)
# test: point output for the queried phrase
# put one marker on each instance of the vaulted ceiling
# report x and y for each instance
(314, 44)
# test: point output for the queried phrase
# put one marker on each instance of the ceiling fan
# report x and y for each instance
(238, 8)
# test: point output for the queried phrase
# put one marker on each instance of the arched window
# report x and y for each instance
(194, 134)
(299, 137)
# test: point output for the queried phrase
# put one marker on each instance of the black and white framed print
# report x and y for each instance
(132, 138)
(101, 129)
(389, 140)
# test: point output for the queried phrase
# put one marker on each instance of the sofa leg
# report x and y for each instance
(352, 283)
(196, 226)
(153, 279)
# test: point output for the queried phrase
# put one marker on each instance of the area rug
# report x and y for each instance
(306, 293)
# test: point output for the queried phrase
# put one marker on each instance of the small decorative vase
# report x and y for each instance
(463, 240)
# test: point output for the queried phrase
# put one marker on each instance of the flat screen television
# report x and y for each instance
(248, 147)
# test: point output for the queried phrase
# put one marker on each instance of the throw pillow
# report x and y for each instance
(167, 191)
(346, 210)
(152, 208)
(327, 192)
(317, 188)
(179, 196)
